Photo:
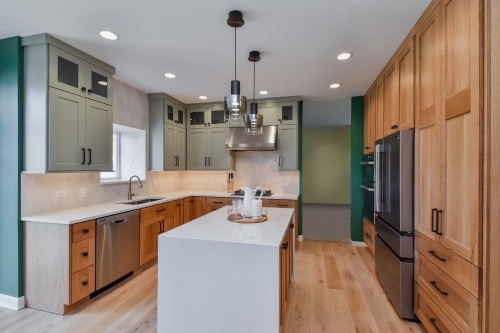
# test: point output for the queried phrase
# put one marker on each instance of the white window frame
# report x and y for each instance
(116, 160)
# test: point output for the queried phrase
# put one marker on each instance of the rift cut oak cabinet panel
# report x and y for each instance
(167, 133)
(206, 150)
(68, 113)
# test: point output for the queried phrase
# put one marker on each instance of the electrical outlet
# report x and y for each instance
(60, 194)
(185, 181)
(155, 184)
(83, 192)
(284, 184)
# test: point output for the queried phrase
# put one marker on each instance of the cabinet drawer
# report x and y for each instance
(462, 271)
(455, 301)
(82, 283)
(82, 254)
(369, 235)
(282, 203)
(149, 213)
(433, 319)
(81, 231)
(266, 203)
(219, 202)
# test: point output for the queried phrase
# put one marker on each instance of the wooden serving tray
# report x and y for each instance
(240, 219)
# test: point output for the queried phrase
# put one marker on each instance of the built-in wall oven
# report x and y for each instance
(368, 186)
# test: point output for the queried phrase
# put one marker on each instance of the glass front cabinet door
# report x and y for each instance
(288, 113)
(99, 84)
(218, 117)
(174, 114)
(66, 72)
(197, 118)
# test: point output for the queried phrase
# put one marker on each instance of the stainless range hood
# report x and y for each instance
(239, 140)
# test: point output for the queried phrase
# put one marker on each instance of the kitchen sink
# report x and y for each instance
(141, 201)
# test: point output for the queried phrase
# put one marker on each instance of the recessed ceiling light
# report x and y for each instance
(335, 85)
(203, 97)
(264, 92)
(344, 56)
(102, 83)
(109, 35)
(170, 75)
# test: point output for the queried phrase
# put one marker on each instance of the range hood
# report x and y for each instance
(239, 140)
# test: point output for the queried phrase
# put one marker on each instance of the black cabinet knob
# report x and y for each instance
(90, 91)
(85, 254)
(85, 283)
(285, 246)
(292, 225)
(85, 231)
(84, 89)
(367, 147)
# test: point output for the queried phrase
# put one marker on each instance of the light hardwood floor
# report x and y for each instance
(335, 290)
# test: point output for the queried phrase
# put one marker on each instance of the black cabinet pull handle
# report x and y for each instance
(161, 210)
(84, 89)
(90, 91)
(219, 202)
(367, 147)
(85, 254)
(285, 246)
(435, 255)
(205, 161)
(433, 322)
(292, 225)
(432, 219)
(279, 120)
(85, 231)
(437, 223)
(192, 200)
(208, 124)
(178, 204)
(90, 156)
(368, 235)
(434, 284)
(209, 162)
(85, 283)
(175, 121)
(280, 205)
(83, 153)
(205, 124)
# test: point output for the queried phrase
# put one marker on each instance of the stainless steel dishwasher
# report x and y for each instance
(117, 248)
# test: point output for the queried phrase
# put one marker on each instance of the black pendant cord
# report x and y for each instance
(235, 48)
(254, 82)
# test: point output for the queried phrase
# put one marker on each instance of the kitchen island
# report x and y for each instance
(219, 276)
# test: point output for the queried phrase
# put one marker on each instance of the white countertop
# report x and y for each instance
(81, 214)
(216, 227)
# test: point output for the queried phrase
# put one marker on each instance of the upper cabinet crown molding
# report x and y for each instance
(51, 40)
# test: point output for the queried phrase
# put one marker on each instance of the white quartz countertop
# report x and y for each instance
(216, 227)
(81, 214)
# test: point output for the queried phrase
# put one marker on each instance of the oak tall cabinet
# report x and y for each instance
(379, 109)
(370, 121)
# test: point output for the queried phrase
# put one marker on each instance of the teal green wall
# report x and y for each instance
(11, 110)
(356, 170)
(300, 166)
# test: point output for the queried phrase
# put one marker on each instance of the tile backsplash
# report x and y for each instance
(130, 108)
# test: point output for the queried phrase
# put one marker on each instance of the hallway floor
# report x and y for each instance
(326, 222)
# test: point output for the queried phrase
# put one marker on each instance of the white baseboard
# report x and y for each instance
(13, 303)
(301, 238)
(353, 243)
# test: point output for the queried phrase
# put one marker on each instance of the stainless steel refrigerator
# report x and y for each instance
(394, 244)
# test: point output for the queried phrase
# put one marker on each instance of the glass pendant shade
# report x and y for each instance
(253, 121)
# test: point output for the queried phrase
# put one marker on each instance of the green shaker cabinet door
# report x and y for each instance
(287, 147)
(269, 114)
(170, 156)
(99, 136)
(197, 149)
(66, 72)
(219, 155)
(180, 143)
(99, 84)
(66, 146)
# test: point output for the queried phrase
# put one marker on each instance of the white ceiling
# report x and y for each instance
(298, 40)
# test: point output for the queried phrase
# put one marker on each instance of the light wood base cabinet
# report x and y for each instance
(369, 235)
(431, 316)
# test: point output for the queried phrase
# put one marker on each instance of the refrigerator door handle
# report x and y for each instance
(378, 179)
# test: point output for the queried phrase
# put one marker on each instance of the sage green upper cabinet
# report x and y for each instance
(67, 150)
(288, 113)
(287, 147)
(167, 133)
(269, 114)
(66, 71)
(206, 150)
(68, 117)
(174, 114)
(99, 136)
(99, 84)
(207, 116)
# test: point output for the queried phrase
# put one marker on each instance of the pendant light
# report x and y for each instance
(253, 121)
(235, 105)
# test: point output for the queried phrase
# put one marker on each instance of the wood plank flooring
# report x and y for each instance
(335, 290)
